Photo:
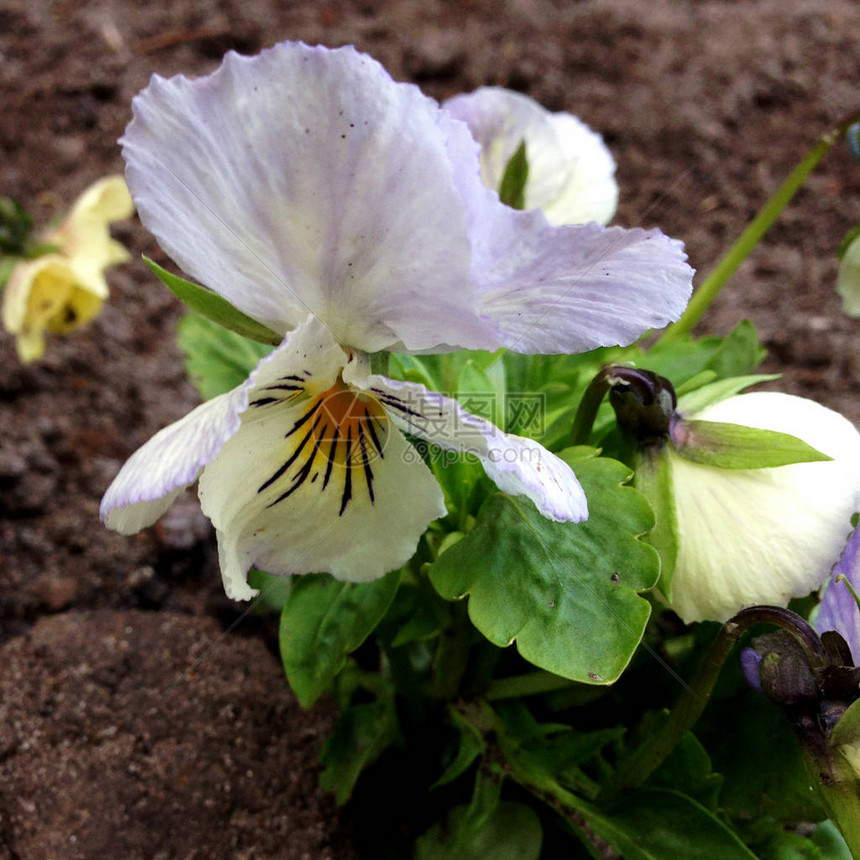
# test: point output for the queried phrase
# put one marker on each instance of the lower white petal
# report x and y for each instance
(324, 483)
(156, 473)
(764, 535)
(517, 465)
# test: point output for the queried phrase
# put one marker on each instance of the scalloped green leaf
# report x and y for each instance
(213, 307)
(322, 622)
(567, 593)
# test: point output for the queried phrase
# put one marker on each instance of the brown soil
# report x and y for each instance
(106, 747)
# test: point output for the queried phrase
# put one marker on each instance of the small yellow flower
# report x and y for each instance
(59, 291)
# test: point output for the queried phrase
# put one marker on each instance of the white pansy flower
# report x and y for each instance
(346, 212)
(848, 279)
(59, 291)
(763, 536)
(571, 174)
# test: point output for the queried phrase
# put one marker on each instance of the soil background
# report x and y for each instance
(131, 723)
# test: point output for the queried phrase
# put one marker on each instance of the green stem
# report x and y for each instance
(644, 761)
(586, 412)
(452, 656)
(530, 684)
(750, 237)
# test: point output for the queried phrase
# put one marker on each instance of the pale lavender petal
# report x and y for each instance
(156, 473)
(152, 478)
(750, 660)
(306, 180)
(566, 289)
(838, 610)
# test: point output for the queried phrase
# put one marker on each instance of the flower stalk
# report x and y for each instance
(728, 265)
(689, 707)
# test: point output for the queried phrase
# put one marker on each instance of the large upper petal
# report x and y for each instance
(571, 174)
(517, 465)
(306, 180)
(565, 289)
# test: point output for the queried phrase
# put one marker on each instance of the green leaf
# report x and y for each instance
(566, 592)
(274, 590)
(759, 759)
(688, 769)
(692, 402)
(512, 832)
(213, 307)
(659, 824)
(739, 353)
(481, 395)
(830, 842)
(733, 446)
(15, 227)
(323, 621)
(555, 750)
(470, 746)
(512, 188)
(361, 735)
(216, 359)
(769, 839)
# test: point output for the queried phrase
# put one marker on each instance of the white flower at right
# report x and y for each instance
(763, 536)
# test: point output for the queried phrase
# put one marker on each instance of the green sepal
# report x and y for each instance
(322, 622)
(653, 479)
(847, 730)
(734, 446)
(213, 307)
(512, 188)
